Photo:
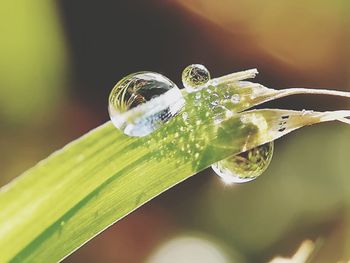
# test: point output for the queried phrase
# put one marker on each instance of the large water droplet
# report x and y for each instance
(194, 77)
(142, 102)
(245, 166)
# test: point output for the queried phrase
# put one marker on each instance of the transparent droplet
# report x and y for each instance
(142, 102)
(194, 77)
(219, 114)
(214, 99)
(185, 116)
(245, 166)
(235, 98)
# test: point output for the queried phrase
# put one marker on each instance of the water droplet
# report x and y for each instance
(185, 116)
(214, 99)
(219, 114)
(197, 103)
(235, 98)
(245, 166)
(194, 77)
(142, 102)
(209, 91)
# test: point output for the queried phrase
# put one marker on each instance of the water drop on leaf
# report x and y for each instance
(245, 166)
(142, 102)
(194, 77)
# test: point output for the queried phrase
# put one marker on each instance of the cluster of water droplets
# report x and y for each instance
(143, 102)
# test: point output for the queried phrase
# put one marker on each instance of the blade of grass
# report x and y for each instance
(67, 199)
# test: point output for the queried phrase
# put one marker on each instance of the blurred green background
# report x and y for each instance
(60, 59)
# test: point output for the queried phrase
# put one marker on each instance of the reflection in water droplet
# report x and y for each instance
(194, 77)
(245, 166)
(142, 102)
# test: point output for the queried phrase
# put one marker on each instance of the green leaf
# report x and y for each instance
(77, 192)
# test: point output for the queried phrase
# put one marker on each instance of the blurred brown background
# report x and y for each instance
(60, 59)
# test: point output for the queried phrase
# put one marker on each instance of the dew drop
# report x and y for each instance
(214, 99)
(245, 166)
(194, 77)
(235, 98)
(142, 102)
(219, 114)
(185, 116)
(209, 91)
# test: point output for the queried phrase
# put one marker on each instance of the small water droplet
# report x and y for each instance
(227, 96)
(219, 113)
(235, 98)
(228, 114)
(245, 166)
(194, 77)
(214, 99)
(142, 102)
(185, 116)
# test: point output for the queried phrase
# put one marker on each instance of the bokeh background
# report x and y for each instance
(60, 59)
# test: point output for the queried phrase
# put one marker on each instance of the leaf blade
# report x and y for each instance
(74, 194)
